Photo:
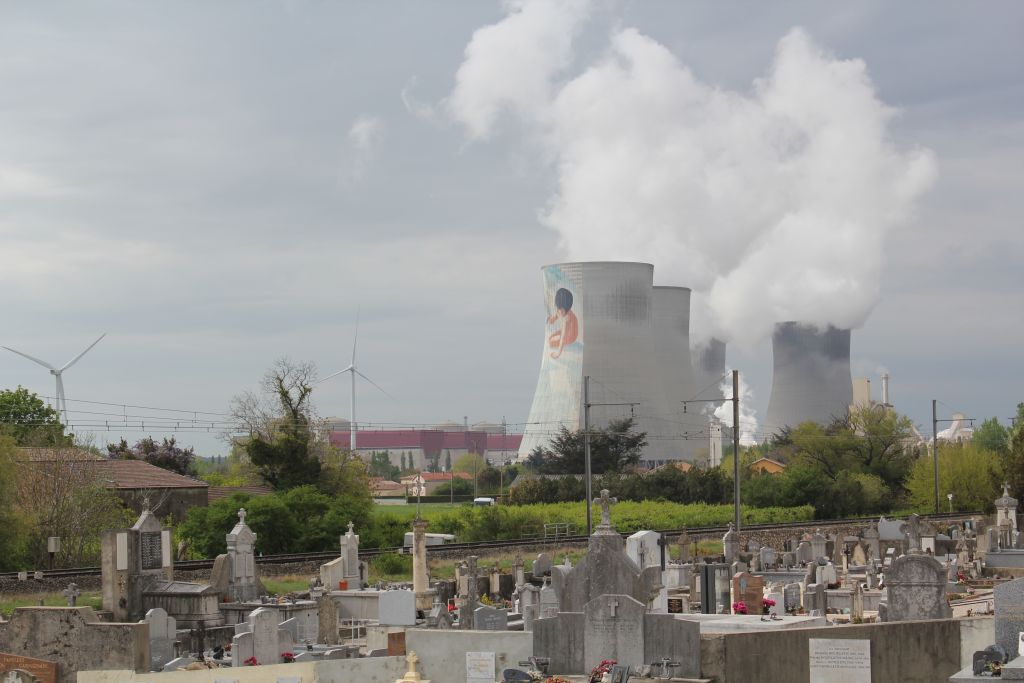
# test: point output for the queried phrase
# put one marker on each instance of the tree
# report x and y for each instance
(167, 455)
(1013, 458)
(13, 536)
(380, 466)
(448, 461)
(461, 487)
(614, 448)
(346, 479)
(972, 474)
(25, 417)
(283, 443)
(992, 436)
(66, 495)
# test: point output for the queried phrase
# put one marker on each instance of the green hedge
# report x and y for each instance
(508, 522)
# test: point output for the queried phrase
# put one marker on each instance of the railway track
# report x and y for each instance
(370, 553)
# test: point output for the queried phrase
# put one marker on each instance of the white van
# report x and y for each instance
(483, 501)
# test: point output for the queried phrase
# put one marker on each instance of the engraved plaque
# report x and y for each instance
(151, 548)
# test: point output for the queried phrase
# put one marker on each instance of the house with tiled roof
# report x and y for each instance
(133, 481)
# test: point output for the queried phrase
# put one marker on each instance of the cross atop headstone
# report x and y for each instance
(606, 502)
(351, 529)
(72, 593)
(241, 515)
(913, 531)
(613, 605)
(412, 674)
(145, 503)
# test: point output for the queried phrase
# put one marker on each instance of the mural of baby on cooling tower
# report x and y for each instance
(567, 325)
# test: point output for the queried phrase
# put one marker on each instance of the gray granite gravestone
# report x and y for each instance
(613, 628)
(1009, 608)
(818, 545)
(916, 589)
(804, 553)
(162, 632)
(814, 598)
(791, 596)
(487, 618)
(542, 565)
(397, 608)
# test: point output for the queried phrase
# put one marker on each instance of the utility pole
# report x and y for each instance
(586, 447)
(735, 442)
(935, 452)
(736, 450)
(586, 453)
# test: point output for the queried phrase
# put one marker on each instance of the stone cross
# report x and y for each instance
(351, 530)
(913, 535)
(145, 502)
(411, 675)
(241, 515)
(72, 593)
(606, 502)
(612, 606)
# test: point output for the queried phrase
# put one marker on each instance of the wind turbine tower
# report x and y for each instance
(353, 371)
(61, 403)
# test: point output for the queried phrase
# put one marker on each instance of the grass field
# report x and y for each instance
(409, 511)
(9, 602)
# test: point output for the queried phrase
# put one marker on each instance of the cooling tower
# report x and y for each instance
(599, 322)
(709, 367)
(672, 357)
(811, 380)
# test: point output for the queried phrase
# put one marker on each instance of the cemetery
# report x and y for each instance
(899, 600)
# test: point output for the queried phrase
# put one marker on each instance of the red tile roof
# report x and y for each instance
(139, 474)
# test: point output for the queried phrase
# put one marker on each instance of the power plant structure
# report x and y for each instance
(811, 379)
(606, 320)
(709, 378)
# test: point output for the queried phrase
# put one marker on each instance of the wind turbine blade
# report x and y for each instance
(355, 340)
(335, 374)
(76, 358)
(372, 382)
(31, 358)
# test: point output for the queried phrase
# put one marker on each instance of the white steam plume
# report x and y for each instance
(774, 203)
(748, 416)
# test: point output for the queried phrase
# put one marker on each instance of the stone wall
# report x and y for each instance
(364, 670)
(75, 639)
(907, 651)
(443, 653)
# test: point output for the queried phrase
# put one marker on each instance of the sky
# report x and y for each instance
(217, 185)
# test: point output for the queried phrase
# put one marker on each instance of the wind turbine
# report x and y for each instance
(353, 371)
(62, 406)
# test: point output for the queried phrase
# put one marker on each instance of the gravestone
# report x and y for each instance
(826, 574)
(470, 602)
(767, 558)
(789, 559)
(162, 633)
(439, 617)
(778, 609)
(1009, 608)
(542, 565)
(818, 545)
(857, 556)
(684, 547)
(613, 628)
(731, 544)
(814, 598)
(791, 596)
(871, 541)
(749, 590)
(916, 589)
(19, 669)
(643, 548)
(134, 561)
(327, 621)
(350, 551)
(518, 572)
(871, 578)
(71, 594)
(856, 602)
(264, 640)
(396, 608)
(487, 618)
(804, 553)
(548, 601)
(234, 573)
(715, 593)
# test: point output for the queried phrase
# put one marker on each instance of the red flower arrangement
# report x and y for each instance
(598, 672)
(287, 657)
(250, 662)
(739, 607)
(766, 605)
